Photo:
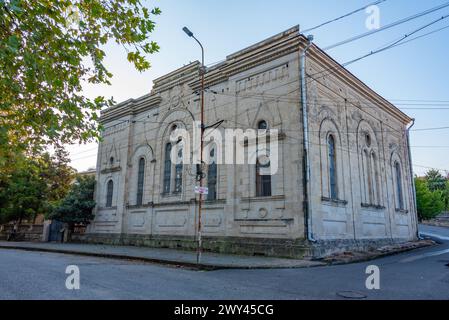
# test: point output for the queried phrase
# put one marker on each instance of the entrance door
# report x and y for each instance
(55, 231)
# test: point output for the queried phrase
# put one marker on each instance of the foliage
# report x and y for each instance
(77, 206)
(446, 196)
(48, 50)
(435, 180)
(430, 203)
(23, 194)
(57, 173)
(32, 185)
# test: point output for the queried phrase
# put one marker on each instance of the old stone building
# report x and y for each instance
(359, 191)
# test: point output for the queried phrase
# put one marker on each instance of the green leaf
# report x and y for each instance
(13, 43)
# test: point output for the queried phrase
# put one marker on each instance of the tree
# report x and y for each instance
(430, 203)
(77, 206)
(446, 196)
(57, 173)
(33, 184)
(48, 50)
(435, 180)
(23, 194)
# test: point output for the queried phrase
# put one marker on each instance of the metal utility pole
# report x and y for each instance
(200, 167)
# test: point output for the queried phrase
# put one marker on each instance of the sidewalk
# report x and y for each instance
(209, 261)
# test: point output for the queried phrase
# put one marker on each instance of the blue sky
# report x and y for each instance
(414, 71)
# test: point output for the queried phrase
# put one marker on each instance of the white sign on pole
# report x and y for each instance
(201, 190)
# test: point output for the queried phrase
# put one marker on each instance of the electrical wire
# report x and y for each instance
(386, 27)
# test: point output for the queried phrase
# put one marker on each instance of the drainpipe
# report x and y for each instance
(412, 177)
(306, 160)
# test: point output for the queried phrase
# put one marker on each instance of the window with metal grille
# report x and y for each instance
(399, 194)
(333, 187)
(212, 181)
(109, 193)
(263, 181)
(140, 181)
(167, 168)
(178, 174)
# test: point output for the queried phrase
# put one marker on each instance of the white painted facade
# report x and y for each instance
(261, 83)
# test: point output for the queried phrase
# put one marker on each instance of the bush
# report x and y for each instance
(77, 206)
(430, 203)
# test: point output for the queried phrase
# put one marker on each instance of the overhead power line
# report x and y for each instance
(382, 49)
(388, 26)
(397, 42)
(343, 16)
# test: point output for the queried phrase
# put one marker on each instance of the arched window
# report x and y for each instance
(140, 181)
(375, 198)
(212, 177)
(178, 173)
(332, 167)
(262, 125)
(367, 174)
(167, 168)
(111, 161)
(109, 193)
(399, 194)
(263, 180)
(371, 176)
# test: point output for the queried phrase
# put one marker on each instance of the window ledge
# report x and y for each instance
(261, 198)
(111, 170)
(372, 206)
(404, 211)
(107, 208)
(213, 201)
(334, 201)
(171, 194)
(141, 206)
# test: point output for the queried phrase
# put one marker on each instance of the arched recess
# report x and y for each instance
(102, 197)
(264, 113)
(331, 161)
(398, 177)
(142, 152)
(110, 157)
(174, 119)
(369, 165)
(266, 118)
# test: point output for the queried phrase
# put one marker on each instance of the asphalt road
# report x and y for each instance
(420, 274)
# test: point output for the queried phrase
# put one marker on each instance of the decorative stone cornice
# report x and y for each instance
(280, 45)
(130, 107)
(177, 77)
(274, 47)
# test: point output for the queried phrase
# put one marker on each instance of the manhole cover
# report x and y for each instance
(351, 295)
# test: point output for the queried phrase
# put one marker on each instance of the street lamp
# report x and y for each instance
(200, 173)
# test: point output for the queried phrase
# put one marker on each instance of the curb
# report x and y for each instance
(173, 263)
(191, 265)
(378, 255)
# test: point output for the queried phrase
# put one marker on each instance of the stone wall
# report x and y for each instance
(32, 232)
(369, 141)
